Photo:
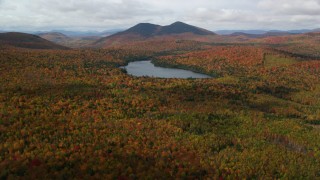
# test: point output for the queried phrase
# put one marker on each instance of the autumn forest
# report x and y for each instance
(72, 113)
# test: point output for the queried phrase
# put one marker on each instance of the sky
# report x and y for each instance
(100, 15)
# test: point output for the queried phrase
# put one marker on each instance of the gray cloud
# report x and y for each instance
(292, 7)
(109, 14)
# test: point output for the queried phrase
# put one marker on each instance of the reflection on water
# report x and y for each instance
(146, 68)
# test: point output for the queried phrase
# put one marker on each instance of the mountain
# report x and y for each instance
(229, 32)
(180, 27)
(23, 40)
(299, 31)
(267, 34)
(316, 30)
(147, 31)
(142, 29)
(262, 32)
(89, 33)
(278, 33)
(74, 34)
(244, 34)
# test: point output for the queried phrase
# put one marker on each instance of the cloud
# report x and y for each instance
(290, 14)
(292, 7)
(110, 14)
(95, 13)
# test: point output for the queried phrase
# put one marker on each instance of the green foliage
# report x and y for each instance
(274, 60)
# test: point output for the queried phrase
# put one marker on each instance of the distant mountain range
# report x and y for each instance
(260, 32)
(267, 34)
(69, 41)
(73, 34)
(55, 37)
(145, 31)
(114, 31)
(139, 32)
(74, 39)
(80, 33)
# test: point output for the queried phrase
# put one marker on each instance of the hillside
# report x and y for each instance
(23, 40)
(147, 31)
(303, 45)
(75, 115)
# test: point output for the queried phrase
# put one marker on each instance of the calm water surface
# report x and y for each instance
(146, 68)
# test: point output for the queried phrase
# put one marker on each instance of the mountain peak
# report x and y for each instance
(145, 24)
(180, 27)
(144, 31)
(149, 30)
(179, 23)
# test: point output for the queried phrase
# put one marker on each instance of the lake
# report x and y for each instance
(146, 68)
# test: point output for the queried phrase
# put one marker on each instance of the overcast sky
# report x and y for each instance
(23, 15)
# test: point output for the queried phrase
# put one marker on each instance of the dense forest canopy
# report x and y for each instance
(74, 114)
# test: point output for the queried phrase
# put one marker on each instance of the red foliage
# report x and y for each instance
(35, 162)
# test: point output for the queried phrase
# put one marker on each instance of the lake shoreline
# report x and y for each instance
(148, 68)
